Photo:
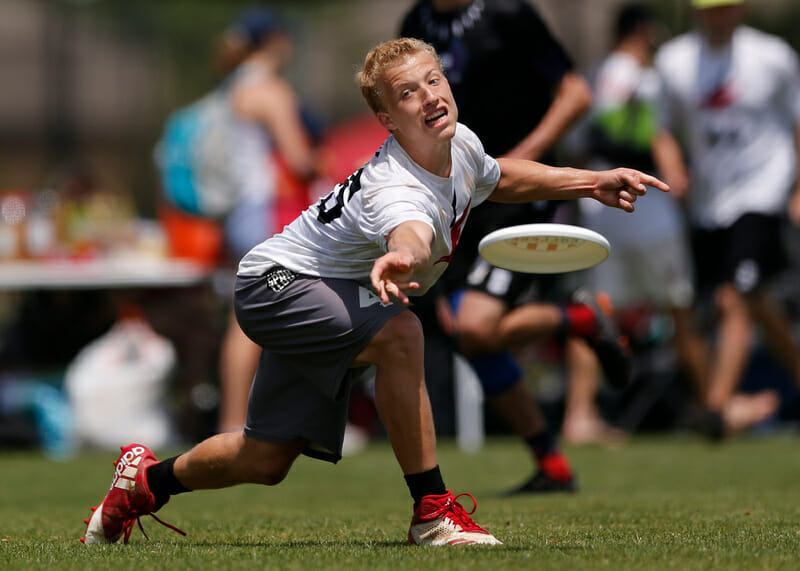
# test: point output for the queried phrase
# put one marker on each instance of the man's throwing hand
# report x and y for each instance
(619, 188)
(391, 276)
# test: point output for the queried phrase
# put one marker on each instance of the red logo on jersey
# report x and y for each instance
(455, 234)
(722, 97)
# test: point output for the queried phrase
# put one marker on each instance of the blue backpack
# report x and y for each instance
(195, 156)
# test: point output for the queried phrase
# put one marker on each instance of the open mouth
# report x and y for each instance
(435, 117)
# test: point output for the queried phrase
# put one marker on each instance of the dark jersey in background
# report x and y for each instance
(503, 65)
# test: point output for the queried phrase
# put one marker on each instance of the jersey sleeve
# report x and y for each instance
(485, 168)
(790, 92)
(387, 207)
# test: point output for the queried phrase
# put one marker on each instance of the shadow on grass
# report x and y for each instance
(316, 543)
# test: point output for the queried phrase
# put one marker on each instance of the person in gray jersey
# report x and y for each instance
(327, 297)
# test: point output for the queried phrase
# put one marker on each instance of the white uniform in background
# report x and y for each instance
(736, 109)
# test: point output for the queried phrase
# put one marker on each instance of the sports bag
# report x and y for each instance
(195, 154)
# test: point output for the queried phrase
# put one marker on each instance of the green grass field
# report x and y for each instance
(658, 503)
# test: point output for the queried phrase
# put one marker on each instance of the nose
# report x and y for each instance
(428, 96)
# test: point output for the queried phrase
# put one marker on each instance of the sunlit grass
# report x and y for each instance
(658, 503)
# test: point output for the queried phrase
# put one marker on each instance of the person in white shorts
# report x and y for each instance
(731, 96)
(650, 263)
(329, 295)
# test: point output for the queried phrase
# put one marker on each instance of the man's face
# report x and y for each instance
(419, 106)
(718, 24)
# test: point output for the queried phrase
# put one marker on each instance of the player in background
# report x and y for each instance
(728, 143)
(539, 98)
(276, 159)
(327, 297)
(649, 268)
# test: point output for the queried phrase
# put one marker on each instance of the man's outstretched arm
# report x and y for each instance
(527, 181)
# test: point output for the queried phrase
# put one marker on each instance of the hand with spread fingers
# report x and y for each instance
(391, 276)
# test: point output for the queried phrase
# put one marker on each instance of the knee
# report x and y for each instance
(270, 475)
(267, 468)
(402, 335)
(476, 339)
(728, 299)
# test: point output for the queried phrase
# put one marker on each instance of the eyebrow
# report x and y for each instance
(434, 70)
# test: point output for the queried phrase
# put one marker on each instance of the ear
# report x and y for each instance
(386, 121)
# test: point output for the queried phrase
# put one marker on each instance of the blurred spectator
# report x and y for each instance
(649, 268)
(482, 44)
(271, 159)
(270, 111)
(728, 145)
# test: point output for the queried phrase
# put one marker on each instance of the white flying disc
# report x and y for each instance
(544, 248)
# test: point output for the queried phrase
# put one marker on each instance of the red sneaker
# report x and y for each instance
(127, 500)
(441, 520)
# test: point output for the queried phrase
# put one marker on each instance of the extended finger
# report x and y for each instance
(654, 182)
(375, 280)
(382, 289)
(398, 293)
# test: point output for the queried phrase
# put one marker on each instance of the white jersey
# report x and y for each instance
(736, 110)
(343, 234)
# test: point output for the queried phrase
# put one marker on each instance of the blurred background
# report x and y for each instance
(91, 81)
(86, 88)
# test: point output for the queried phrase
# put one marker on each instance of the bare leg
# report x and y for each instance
(778, 333)
(733, 347)
(486, 326)
(477, 321)
(228, 459)
(480, 318)
(400, 394)
(583, 423)
(519, 408)
(529, 322)
(739, 411)
(583, 383)
(238, 363)
(692, 350)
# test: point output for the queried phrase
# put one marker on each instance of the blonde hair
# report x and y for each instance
(382, 57)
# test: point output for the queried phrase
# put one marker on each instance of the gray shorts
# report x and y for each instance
(311, 329)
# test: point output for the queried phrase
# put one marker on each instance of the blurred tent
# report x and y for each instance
(350, 143)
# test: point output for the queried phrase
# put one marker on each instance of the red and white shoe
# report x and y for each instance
(128, 499)
(441, 520)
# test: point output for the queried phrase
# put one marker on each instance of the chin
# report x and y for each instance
(448, 131)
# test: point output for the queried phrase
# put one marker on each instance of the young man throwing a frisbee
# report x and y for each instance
(327, 297)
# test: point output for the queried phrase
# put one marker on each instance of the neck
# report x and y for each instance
(264, 61)
(436, 159)
(719, 41)
(638, 50)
